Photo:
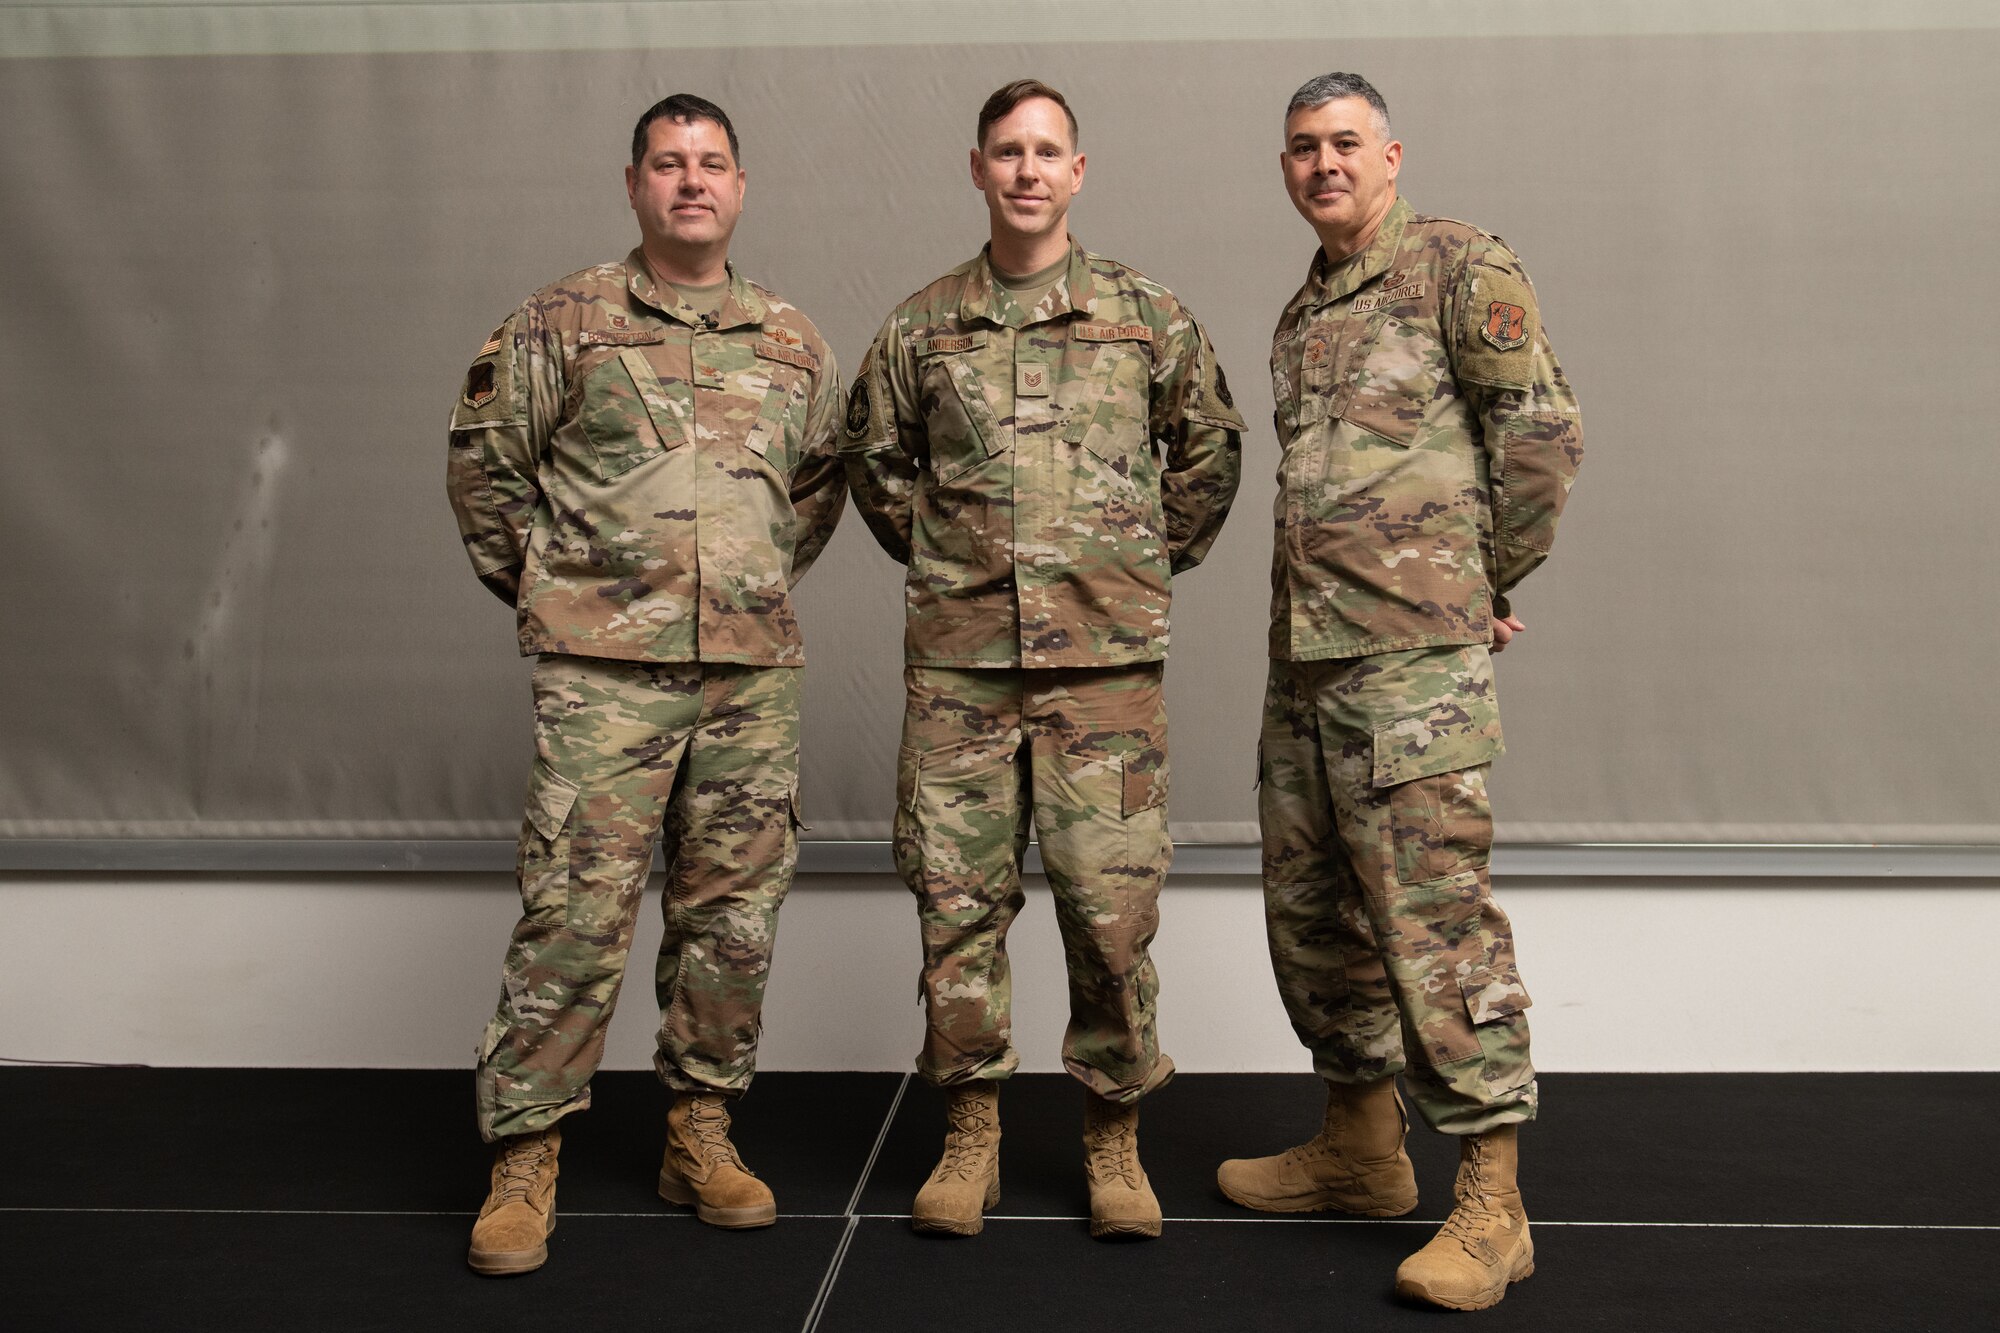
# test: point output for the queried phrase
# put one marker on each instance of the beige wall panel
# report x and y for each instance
(240, 292)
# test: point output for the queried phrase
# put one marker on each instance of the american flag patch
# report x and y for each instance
(492, 346)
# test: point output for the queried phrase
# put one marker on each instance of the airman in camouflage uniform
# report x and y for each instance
(643, 462)
(1044, 438)
(1429, 441)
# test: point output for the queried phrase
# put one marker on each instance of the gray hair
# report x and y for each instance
(1317, 92)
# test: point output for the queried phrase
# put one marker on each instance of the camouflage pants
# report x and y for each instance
(1390, 953)
(622, 748)
(1083, 753)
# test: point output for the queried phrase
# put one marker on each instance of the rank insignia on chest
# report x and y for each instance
(1506, 325)
(1316, 349)
(1031, 381)
(620, 322)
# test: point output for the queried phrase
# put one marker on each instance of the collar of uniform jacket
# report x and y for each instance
(743, 305)
(1326, 283)
(983, 298)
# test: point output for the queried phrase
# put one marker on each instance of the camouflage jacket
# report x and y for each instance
(640, 485)
(1429, 442)
(1043, 473)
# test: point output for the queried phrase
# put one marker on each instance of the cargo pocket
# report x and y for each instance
(1495, 1002)
(1144, 809)
(907, 842)
(545, 843)
(1434, 762)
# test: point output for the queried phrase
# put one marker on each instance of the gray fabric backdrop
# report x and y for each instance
(240, 290)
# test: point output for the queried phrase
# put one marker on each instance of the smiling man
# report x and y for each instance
(1429, 443)
(643, 463)
(1044, 438)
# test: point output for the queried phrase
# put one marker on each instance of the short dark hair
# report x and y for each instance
(686, 108)
(1006, 98)
(1333, 87)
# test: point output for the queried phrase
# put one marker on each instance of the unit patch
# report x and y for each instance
(1222, 388)
(1506, 325)
(479, 390)
(857, 408)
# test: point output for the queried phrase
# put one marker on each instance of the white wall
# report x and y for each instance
(400, 971)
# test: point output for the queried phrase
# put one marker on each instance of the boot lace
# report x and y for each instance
(708, 1121)
(521, 1166)
(1475, 1213)
(1114, 1150)
(962, 1155)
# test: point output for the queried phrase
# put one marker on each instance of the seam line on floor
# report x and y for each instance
(852, 1217)
(832, 1274)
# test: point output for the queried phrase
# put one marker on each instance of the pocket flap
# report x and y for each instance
(1145, 777)
(909, 765)
(1493, 994)
(1455, 734)
(550, 800)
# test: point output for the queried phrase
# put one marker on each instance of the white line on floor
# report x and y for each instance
(1023, 1217)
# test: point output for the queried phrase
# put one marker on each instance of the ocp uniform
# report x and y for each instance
(644, 485)
(1429, 440)
(1043, 473)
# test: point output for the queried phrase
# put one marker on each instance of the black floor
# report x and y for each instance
(307, 1199)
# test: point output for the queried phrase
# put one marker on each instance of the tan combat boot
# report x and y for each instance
(511, 1235)
(1121, 1199)
(966, 1180)
(1356, 1163)
(701, 1166)
(1485, 1243)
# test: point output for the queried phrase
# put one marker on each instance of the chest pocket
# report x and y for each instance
(1393, 374)
(957, 417)
(630, 414)
(1285, 355)
(774, 436)
(1112, 417)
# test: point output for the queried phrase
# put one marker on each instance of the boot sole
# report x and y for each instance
(1485, 1300)
(1318, 1203)
(958, 1226)
(1137, 1230)
(677, 1191)
(507, 1263)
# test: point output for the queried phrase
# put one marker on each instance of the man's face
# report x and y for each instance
(1340, 169)
(1028, 169)
(687, 190)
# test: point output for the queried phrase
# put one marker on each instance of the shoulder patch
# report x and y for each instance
(857, 408)
(479, 385)
(1506, 325)
(1497, 326)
